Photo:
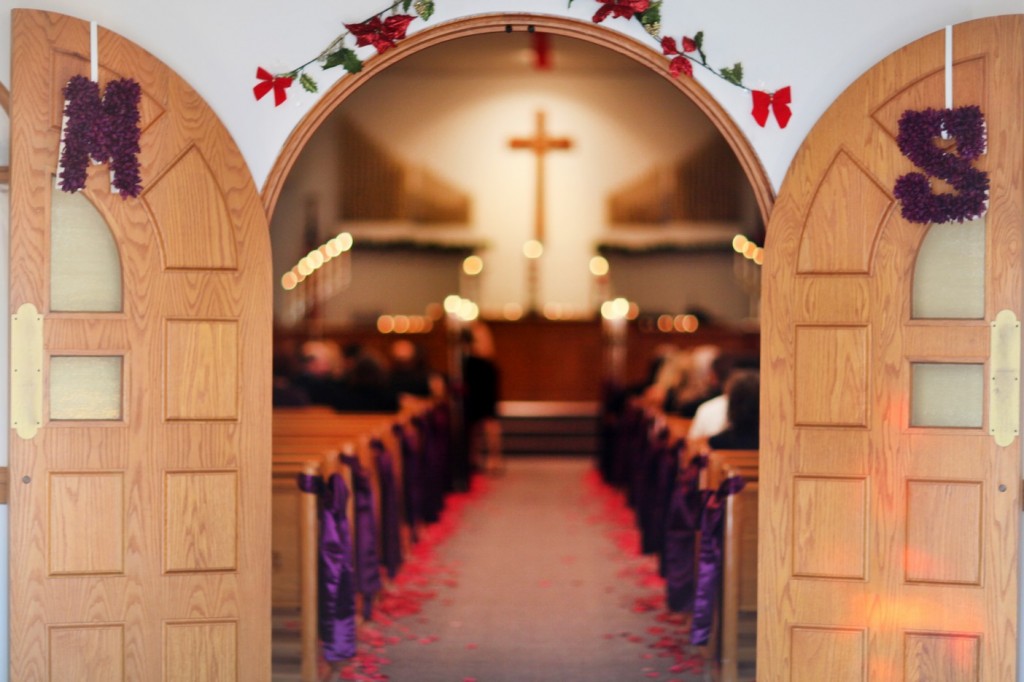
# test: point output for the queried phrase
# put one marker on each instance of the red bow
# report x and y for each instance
(381, 34)
(620, 8)
(778, 102)
(268, 82)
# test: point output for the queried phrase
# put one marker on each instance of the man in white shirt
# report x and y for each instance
(710, 419)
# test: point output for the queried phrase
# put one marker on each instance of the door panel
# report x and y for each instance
(888, 548)
(140, 521)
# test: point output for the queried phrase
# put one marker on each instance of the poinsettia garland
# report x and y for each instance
(918, 131)
(384, 29)
(102, 130)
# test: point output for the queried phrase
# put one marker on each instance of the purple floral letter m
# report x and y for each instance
(105, 130)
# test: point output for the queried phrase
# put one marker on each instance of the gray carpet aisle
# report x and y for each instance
(536, 584)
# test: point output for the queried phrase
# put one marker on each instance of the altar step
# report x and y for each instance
(549, 428)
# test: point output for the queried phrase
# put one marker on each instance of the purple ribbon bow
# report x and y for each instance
(710, 563)
(390, 520)
(336, 598)
(366, 563)
(684, 517)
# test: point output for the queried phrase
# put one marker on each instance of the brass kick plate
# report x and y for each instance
(1004, 379)
(26, 371)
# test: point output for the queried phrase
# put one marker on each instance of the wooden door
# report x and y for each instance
(889, 540)
(140, 522)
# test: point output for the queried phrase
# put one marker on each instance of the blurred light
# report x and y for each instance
(599, 266)
(739, 242)
(690, 323)
(533, 249)
(749, 249)
(417, 324)
(552, 311)
(316, 258)
(513, 311)
(665, 323)
(679, 324)
(633, 312)
(468, 310)
(607, 310)
(620, 307)
(385, 324)
(452, 303)
(289, 281)
(401, 324)
(473, 265)
(759, 256)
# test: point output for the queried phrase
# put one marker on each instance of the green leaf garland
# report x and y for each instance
(307, 83)
(337, 54)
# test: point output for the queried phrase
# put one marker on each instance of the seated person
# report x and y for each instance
(367, 387)
(320, 371)
(743, 391)
(410, 373)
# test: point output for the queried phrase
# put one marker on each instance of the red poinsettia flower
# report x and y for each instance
(625, 9)
(381, 34)
(680, 63)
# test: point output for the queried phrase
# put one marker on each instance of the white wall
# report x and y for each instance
(816, 47)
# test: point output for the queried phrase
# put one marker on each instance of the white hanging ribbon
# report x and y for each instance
(94, 75)
(949, 67)
(948, 73)
(94, 53)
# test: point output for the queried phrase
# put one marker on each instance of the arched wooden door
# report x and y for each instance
(140, 517)
(889, 534)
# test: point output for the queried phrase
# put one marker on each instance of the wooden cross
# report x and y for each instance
(540, 144)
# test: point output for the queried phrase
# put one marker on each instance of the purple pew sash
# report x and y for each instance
(367, 564)
(336, 607)
(709, 570)
(390, 521)
(412, 460)
(684, 517)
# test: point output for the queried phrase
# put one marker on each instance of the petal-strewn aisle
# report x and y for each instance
(533, 576)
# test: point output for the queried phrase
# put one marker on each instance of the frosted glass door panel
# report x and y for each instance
(949, 275)
(947, 395)
(85, 267)
(86, 387)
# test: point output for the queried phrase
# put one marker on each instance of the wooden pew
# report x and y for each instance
(739, 565)
(714, 473)
(295, 554)
(678, 427)
(309, 440)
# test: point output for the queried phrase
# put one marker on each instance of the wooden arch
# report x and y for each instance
(520, 22)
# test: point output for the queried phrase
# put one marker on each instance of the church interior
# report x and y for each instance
(420, 176)
(407, 222)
